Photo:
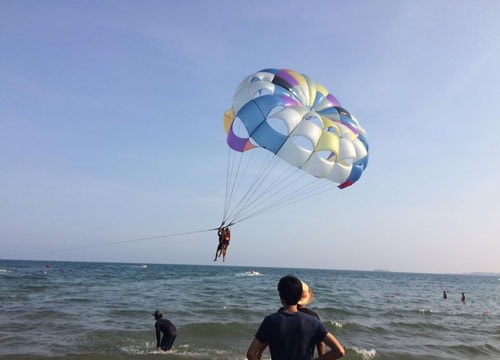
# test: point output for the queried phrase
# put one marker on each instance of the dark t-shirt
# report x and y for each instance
(291, 336)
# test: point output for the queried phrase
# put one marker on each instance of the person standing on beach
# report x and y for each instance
(306, 298)
(168, 329)
(291, 334)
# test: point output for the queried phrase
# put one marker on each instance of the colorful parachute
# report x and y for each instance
(296, 120)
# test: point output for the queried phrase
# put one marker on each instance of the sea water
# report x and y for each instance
(75, 310)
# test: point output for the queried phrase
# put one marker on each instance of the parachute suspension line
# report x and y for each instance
(299, 195)
(257, 204)
(239, 177)
(226, 200)
(159, 236)
(293, 197)
(268, 192)
(281, 190)
(250, 197)
(127, 241)
(235, 175)
(229, 184)
(278, 205)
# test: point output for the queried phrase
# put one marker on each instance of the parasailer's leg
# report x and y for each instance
(218, 252)
(224, 252)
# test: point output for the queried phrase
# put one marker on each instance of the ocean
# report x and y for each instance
(77, 310)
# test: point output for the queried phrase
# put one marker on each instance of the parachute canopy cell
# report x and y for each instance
(301, 122)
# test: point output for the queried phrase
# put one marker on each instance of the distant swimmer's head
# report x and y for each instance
(307, 295)
(158, 314)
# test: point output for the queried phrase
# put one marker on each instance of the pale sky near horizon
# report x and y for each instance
(111, 130)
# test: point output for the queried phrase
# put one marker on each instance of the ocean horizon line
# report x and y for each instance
(473, 273)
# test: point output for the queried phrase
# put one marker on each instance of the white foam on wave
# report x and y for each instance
(249, 273)
(254, 273)
(136, 350)
(144, 350)
(364, 353)
(337, 324)
(149, 348)
(429, 311)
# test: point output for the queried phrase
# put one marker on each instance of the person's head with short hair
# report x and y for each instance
(290, 290)
(158, 314)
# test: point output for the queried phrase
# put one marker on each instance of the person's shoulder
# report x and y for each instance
(307, 311)
(278, 315)
(310, 319)
(306, 314)
(312, 322)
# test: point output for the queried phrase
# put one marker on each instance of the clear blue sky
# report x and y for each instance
(111, 130)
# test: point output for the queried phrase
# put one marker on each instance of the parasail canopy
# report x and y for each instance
(298, 128)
